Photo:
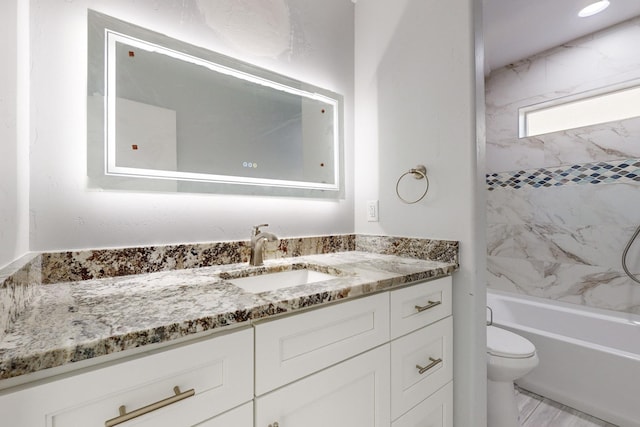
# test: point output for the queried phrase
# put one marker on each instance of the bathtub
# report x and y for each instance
(589, 358)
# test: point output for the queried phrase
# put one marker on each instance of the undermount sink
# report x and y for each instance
(266, 282)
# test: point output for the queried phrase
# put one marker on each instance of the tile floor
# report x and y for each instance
(538, 411)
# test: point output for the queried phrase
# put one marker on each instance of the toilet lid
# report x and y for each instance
(503, 343)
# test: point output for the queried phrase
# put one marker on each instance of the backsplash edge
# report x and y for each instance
(19, 280)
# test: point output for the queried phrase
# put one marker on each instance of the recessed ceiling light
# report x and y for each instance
(594, 8)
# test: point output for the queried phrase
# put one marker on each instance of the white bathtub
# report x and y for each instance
(589, 358)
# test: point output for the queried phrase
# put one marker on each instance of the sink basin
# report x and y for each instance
(283, 279)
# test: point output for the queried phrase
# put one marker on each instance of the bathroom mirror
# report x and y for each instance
(169, 116)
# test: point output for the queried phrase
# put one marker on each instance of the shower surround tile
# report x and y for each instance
(596, 61)
(595, 245)
(585, 145)
(592, 286)
(597, 287)
(566, 205)
(501, 155)
(552, 243)
(586, 205)
(578, 233)
(511, 206)
(516, 275)
(562, 206)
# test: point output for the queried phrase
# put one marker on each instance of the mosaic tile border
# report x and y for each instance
(618, 171)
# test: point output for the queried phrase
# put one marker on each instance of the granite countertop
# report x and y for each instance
(73, 321)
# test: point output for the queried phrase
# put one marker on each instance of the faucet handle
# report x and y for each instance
(256, 228)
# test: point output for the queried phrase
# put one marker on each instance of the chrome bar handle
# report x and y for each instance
(490, 321)
(124, 416)
(428, 306)
(434, 362)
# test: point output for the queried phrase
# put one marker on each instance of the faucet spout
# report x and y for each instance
(257, 244)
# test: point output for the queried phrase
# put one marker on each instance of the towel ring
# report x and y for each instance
(419, 172)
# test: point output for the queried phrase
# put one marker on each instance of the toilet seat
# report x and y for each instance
(503, 343)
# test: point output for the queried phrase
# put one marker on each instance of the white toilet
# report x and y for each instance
(509, 357)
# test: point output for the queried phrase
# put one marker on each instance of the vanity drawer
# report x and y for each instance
(436, 411)
(421, 363)
(419, 305)
(295, 346)
(219, 370)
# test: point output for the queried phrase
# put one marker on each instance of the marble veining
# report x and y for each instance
(603, 59)
(70, 321)
(565, 245)
(562, 206)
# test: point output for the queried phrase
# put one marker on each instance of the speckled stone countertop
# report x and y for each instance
(78, 320)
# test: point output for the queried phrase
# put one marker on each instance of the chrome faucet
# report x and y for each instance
(257, 244)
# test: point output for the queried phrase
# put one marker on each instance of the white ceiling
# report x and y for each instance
(517, 29)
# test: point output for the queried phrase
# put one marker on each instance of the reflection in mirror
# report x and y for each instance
(165, 115)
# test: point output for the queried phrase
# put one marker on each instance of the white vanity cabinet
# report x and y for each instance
(436, 411)
(422, 354)
(241, 416)
(218, 370)
(298, 345)
(377, 361)
(295, 350)
(354, 393)
(366, 362)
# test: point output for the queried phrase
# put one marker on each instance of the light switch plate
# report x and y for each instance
(372, 210)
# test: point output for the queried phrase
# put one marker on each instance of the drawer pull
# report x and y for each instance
(428, 306)
(434, 362)
(124, 416)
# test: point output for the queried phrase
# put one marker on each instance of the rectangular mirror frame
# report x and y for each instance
(104, 32)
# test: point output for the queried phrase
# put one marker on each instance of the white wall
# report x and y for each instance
(416, 104)
(314, 43)
(415, 97)
(14, 162)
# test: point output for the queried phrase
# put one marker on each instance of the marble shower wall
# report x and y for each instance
(562, 206)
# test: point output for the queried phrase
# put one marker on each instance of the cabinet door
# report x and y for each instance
(421, 363)
(292, 347)
(354, 393)
(436, 411)
(219, 370)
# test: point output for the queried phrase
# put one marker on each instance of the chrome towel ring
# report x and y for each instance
(419, 172)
